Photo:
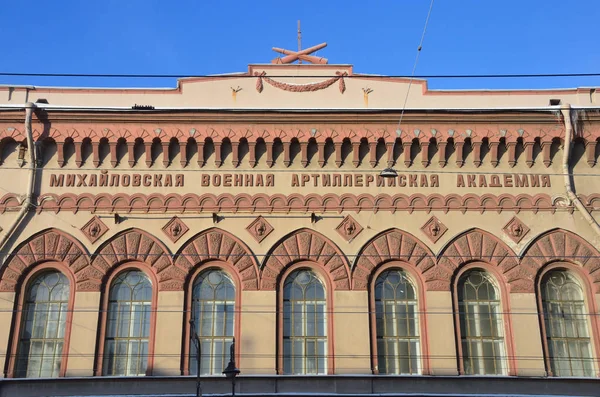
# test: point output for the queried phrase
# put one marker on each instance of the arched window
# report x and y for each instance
(396, 319)
(42, 331)
(481, 327)
(566, 325)
(128, 325)
(213, 303)
(304, 324)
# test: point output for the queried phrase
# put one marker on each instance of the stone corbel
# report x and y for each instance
(338, 153)
(131, 153)
(304, 153)
(390, 153)
(425, 153)
(270, 161)
(235, 154)
(373, 153)
(529, 153)
(476, 153)
(287, 161)
(460, 155)
(590, 152)
(60, 151)
(356, 153)
(165, 151)
(218, 160)
(512, 153)
(321, 149)
(96, 154)
(148, 150)
(78, 156)
(183, 153)
(442, 153)
(112, 148)
(406, 146)
(494, 153)
(252, 154)
(546, 146)
(201, 160)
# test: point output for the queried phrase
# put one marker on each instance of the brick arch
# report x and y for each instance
(305, 245)
(45, 246)
(137, 245)
(392, 244)
(217, 244)
(552, 246)
(472, 245)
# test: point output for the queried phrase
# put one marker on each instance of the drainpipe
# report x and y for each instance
(27, 203)
(569, 133)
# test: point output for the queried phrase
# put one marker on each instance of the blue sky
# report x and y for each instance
(379, 37)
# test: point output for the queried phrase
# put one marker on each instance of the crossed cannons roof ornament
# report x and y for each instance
(300, 55)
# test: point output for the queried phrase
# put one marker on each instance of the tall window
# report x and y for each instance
(481, 326)
(566, 323)
(304, 324)
(396, 324)
(213, 303)
(42, 333)
(128, 325)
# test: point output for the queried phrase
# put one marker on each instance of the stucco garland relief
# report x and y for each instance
(261, 202)
(308, 87)
(305, 245)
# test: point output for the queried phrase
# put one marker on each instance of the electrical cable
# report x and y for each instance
(236, 76)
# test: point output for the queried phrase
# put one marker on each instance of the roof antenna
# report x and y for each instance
(299, 41)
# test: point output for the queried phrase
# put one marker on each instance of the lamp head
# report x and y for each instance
(388, 173)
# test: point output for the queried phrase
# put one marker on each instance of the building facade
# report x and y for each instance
(253, 206)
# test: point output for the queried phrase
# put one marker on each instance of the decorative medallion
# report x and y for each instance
(94, 229)
(175, 228)
(259, 228)
(349, 228)
(434, 229)
(515, 229)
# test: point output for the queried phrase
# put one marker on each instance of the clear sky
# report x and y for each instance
(197, 37)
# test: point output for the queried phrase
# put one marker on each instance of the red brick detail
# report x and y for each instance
(259, 228)
(472, 246)
(94, 229)
(390, 245)
(139, 246)
(515, 229)
(51, 245)
(349, 228)
(557, 245)
(305, 245)
(216, 244)
(434, 229)
(175, 229)
(262, 202)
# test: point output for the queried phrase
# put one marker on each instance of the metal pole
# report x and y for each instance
(196, 340)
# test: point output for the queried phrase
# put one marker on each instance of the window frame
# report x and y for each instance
(509, 344)
(189, 291)
(20, 304)
(590, 306)
(417, 283)
(139, 266)
(325, 279)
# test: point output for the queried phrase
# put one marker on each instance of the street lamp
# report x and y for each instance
(231, 371)
(196, 339)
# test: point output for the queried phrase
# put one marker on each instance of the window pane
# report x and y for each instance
(566, 322)
(481, 325)
(128, 323)
(304, 324)
(213, 303)
(396, 324)
(39, 350)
